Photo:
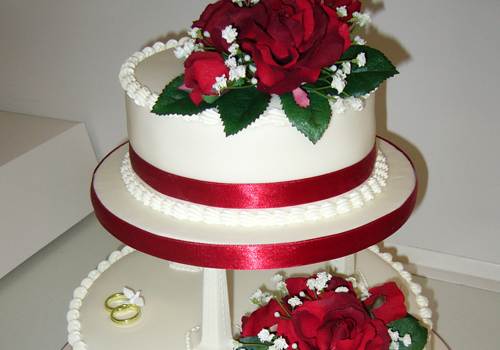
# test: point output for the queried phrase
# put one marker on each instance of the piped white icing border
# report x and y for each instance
(144, 97)
(183, 210)
(423, 303)
(73, 315)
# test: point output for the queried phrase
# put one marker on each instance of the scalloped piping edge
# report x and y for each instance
(144, 97)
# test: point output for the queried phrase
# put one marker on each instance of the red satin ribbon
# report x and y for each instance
(254, 196)
(256, 256)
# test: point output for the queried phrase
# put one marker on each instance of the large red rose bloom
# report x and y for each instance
(291, 41)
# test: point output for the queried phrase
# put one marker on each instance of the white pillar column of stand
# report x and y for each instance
(343, 266)
(216, 323)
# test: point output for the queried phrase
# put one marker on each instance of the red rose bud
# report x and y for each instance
(201, 70)
(394, 306)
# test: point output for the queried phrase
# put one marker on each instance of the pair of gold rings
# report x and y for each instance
(124, 312)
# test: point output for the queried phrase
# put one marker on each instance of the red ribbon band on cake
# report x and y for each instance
(255, 256)
(257, 195)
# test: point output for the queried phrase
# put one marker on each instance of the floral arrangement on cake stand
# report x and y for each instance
(323, 312)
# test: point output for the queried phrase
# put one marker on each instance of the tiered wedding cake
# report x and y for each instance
(257, 152)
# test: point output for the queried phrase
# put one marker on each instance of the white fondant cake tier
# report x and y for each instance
(173, 299)
(270, 150)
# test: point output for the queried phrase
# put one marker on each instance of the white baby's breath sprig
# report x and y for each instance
(265, 336)
(294, 301)
(361, 19)
(233, 49)
(237, 72)
(346, 67)
(279, 344)
(359, 41)
(195, 33)
(395, 339)
(320, 282)
(230, 62)
(342, 11)
(260, 299)
(220, 84)
(185, 48)
(229, 33)
(360, 60)
(338, 83)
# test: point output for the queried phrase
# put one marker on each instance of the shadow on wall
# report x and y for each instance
(397, 54)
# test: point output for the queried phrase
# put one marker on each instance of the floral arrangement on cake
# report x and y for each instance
(323, 312)
(240, 52)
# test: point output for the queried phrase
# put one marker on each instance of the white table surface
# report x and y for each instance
(34, 297)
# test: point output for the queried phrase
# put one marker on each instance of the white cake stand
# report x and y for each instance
(217, 248)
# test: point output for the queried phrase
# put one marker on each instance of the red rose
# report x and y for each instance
(291, 41)
(386, 302)
(338, 322)
(216, 17)
(201, 69)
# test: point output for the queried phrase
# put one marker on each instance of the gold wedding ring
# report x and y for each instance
(121, 309)
(125, 309)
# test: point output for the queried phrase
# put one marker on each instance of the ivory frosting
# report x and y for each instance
(270, 150)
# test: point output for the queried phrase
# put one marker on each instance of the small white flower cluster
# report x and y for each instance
(259, 298)
(359, 41)
(185, 47)
(319, 283)
(294, 301)
(342, 11)
(339, 77)
(395, 339)
(241, 3)
(343, 104)
(279, 344)
(361, 19)
(280, 284)
(264, 335)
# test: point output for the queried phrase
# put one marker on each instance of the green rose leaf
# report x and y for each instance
(364, 80)
(409, 324)
(239, 108)
(172, 100)
(313, 120)
(253, 343)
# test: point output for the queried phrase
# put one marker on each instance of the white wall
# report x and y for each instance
(62, 61)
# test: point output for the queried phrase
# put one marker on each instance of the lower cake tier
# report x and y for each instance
(172, 313)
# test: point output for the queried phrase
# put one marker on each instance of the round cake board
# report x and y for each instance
(263, 247)
(173, 300)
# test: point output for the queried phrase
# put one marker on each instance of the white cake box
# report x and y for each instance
(46, 167)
